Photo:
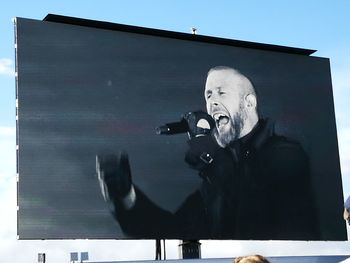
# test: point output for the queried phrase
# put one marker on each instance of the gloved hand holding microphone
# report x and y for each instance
(202, 146)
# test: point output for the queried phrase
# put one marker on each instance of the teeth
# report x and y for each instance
(217, 116)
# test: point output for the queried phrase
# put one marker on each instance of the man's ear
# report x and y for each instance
(250, 101)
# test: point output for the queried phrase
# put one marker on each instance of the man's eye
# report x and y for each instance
(208, 95)
(222, 92)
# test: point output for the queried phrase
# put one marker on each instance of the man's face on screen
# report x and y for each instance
(224, 100)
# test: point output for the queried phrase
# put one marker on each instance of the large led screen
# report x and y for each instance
(249, 153)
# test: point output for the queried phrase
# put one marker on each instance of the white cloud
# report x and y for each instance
(7, 182)
(7, 131)
(6, 67)
(344, 149)
(340, 77)
(341, 91)
(7, 154)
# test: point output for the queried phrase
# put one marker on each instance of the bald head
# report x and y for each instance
(231, 101)
(243, 84)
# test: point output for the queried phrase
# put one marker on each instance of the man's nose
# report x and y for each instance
(212, 99)
(211, 105)
(214, 103)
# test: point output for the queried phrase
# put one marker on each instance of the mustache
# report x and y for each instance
(224, 138)
(219, 109)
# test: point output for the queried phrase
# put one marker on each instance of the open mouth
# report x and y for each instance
(221, 119)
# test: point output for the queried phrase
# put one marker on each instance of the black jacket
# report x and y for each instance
(257, 188)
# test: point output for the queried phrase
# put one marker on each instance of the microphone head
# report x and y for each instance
(196, 123)
(204, 124)
(164, 129)
(200, 123)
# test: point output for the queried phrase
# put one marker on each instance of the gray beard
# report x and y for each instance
(236, 127)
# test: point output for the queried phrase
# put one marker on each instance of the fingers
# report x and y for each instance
(100, 176)
(98, 169)
(106, 165)
(199, 122)
(123, 163)
(114, 175)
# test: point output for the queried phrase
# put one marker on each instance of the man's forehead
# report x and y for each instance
(223, 78)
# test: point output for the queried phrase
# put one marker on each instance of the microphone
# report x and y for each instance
(196, 123)
(173, 128)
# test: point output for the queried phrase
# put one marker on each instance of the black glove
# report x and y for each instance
(214, 163)
(199, 123)
(114, 175)
(201, 152)
(202, 146)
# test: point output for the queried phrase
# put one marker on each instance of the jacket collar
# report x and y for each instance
(254, 140)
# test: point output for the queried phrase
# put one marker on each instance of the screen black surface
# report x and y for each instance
(84, 91)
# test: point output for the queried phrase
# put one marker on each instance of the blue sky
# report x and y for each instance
(320, 25)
